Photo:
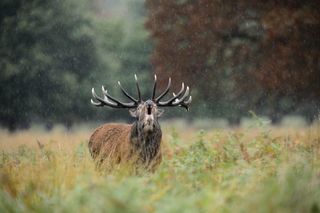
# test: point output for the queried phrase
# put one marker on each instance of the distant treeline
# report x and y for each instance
(236, 57)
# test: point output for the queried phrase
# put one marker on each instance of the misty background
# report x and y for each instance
(239, 58)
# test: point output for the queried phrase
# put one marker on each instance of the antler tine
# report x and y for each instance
(102, 101)
(164, 92)
(186, 103)
(126, 93)
(119, 103)
(175, 96)
(138, 88)
(186, 94)
(176, 101)
(154, 87)
(96, 97)
(112, 102)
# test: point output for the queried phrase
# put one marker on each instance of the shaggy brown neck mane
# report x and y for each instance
(146, 144)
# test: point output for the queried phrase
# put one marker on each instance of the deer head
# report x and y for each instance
(146, 112)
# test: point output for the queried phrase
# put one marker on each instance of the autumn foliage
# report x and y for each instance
(290, 57)
(240, 52)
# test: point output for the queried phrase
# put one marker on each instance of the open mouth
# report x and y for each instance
(149, 109)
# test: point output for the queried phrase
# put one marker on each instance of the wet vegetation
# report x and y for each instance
(259, 169)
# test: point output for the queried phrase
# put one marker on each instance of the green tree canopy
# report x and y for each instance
(46, 51)
(53, 52)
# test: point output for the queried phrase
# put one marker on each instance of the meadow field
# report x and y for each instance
(257, 168)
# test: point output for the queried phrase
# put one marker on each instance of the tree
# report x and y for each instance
(52, 53)
(46, 51)
(239, 55)
(289, 64)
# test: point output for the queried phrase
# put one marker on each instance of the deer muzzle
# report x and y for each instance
(149, 106)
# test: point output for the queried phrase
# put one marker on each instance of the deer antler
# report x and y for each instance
(176, 100)
(108, 100)
(181, 99)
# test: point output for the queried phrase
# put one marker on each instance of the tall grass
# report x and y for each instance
(256, 169)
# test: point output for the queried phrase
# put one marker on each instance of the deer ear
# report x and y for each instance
(133, 112)
(159, 112)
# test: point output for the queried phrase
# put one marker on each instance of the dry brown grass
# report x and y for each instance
(213, 171)
(58, 136)
(62, 137)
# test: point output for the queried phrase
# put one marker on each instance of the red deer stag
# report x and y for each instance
(139, 142)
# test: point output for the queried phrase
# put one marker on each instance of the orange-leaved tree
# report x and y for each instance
(239, 55)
